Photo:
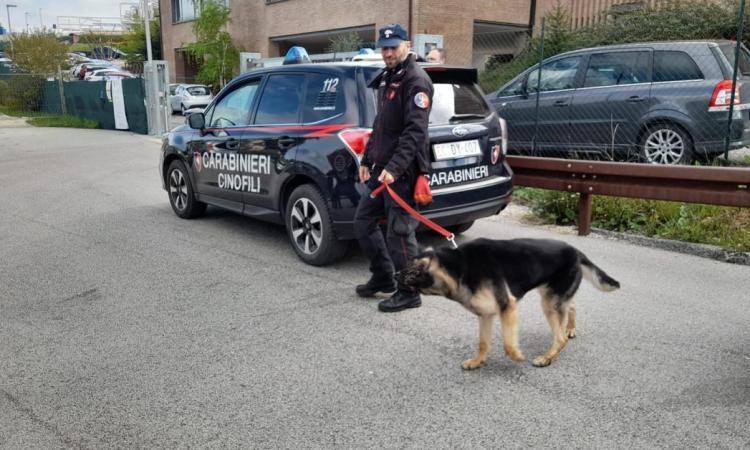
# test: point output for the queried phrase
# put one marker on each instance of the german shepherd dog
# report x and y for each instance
(489, 277)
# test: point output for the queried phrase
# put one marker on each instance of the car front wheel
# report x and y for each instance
(180, 192)
(310, 229)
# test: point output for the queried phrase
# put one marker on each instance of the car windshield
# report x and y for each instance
(197, 90)
(744, 65)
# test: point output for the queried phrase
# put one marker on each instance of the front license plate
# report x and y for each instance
(453, 150)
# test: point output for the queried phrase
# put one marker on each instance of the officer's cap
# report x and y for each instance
(392, 35)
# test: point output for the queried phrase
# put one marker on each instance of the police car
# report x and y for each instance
(283, 144)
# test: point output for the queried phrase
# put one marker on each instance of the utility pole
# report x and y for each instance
(41, 20)
(147, 18)
(10, 30)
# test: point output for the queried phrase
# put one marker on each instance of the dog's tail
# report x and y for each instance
(597, 276)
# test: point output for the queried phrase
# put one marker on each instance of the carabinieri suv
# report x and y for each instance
(283, 144)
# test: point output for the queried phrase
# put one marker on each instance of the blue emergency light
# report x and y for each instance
(366, 51)
(296, 55)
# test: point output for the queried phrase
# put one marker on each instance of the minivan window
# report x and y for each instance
(456, 102)
(556, 75)
(233, 110)
(744, 66)
(324, 98)
(617, 68)
(674, 66)
(281, 100)
(515, 88)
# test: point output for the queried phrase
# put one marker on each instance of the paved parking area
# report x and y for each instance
(123, 326)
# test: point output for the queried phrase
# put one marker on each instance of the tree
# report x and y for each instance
(135, 38)
(348, 42)
(39, 52)
(214, 50)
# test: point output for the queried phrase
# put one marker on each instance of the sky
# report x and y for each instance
(51, 9)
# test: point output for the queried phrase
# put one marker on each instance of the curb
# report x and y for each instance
(690, 248)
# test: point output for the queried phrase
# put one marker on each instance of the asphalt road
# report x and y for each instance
(123, 326)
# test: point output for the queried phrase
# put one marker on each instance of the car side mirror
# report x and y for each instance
(197, 121)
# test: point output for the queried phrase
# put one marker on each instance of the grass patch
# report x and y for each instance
(63, 122)
(16, 113)
(722, 226)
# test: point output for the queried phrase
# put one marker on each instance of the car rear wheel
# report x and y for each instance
(310, 229)
(183, 109)
(180, 192)
(665, 143)
(460, 228)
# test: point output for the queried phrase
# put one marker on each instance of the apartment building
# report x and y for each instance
(471, 31)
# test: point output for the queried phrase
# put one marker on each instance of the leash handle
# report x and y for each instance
(412, 212)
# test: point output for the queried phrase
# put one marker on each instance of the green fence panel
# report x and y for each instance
(89, 100)
(51, 98)
(134, 93)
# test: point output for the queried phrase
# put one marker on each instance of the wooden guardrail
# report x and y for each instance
(726, 186)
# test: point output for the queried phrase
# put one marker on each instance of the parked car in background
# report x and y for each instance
(189, 96)
(107, 74)
(664, 102)
(81, 70)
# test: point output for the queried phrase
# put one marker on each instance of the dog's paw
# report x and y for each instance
(571, 333)
(541, 361)
(471, 364)
(515, 354)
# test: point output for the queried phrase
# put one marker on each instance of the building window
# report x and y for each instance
(268, 2)
(183, 10)
(186, 10)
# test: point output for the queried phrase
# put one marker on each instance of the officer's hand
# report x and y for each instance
(364, 174)
(386, 177)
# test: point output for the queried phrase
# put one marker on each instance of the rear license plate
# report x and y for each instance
(453, 150)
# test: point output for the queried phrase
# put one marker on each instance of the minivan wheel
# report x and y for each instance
(180, 192)
(310, 229)
(666, 144)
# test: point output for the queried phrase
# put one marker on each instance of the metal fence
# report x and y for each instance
(656, 82)
(40, 95)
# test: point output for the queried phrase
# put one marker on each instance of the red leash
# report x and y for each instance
(435, 227)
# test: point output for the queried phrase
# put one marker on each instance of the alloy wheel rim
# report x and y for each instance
(664, 146)
(178, 190)
(306, 226)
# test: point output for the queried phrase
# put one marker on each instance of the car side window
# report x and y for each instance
(324, 98)
(675, 66)
(233, 110)
(515, 88)
(281, 100)
(556, 75)
(617, 68)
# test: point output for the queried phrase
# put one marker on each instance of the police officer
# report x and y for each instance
(396, 154)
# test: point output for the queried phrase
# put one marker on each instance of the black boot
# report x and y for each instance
(377, 283)
(400, 301)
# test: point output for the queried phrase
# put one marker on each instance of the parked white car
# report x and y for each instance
(106, 74)
(189, 96)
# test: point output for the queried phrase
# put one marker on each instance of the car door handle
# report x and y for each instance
(636, 98)
(286, 142)
(232, 144)
(560, 103)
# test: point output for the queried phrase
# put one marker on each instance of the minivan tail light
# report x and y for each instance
(722, 96)
(504, 131)
(355, 140)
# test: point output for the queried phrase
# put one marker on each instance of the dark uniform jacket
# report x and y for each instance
(399, 141)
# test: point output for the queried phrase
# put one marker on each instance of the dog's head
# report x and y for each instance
(428, 274)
